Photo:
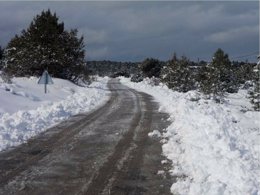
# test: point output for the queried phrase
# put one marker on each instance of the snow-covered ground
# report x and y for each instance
(214, 148)
(25, 110)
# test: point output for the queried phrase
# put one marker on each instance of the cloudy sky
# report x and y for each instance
(132, 31)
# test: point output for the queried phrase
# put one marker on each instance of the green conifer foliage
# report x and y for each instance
(255, 93)
(150, 67)
(177, 74)
(46, 45)
(217, 77)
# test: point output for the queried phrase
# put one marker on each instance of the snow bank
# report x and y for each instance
(25, 110)
(155, 134)
(214, 148)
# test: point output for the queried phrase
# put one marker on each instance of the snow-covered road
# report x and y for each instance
(107, 151)
(214, 148)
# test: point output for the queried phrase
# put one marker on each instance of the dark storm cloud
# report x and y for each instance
(136, 30)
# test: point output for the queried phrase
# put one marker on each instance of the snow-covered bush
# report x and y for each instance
(137, 78)
(255, 92)
(176, 74)
(217, 77)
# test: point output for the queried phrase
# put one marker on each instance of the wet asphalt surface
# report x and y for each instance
(104, 152)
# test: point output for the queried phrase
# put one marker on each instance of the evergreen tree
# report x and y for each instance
(46, 45)
(202, 78)
(255, 94)
(216, 78)
(1, 56)
(1, 53)
(177, 74)
(151, 67)
(244, 71)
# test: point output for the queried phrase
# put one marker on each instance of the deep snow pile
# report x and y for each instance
(215, 148)
(25, 110)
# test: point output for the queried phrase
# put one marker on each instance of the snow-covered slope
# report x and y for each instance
(215, 148)
(25, 110)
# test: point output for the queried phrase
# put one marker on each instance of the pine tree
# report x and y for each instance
(167, 73)
(217, 77)
(150, 67)
(177, 74)
(75, 62)
(243, 71)
(46, 45)
(1, 56)
(1, 53)
(203, 77)
(255, 94)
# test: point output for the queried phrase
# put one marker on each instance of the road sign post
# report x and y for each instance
(45, 80)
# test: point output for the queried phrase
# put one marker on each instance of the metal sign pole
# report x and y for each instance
(46, 82)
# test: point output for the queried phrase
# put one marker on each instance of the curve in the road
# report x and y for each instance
(107, 151)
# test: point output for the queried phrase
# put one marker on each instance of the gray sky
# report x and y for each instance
(132, 31)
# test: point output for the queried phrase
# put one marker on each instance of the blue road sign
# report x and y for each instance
(45, 80)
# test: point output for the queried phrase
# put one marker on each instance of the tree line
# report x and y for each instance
(215, 79)
(112, 68)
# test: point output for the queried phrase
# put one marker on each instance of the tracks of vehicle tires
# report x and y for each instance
(104, 152)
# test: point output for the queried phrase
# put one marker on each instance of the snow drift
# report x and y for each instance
(214, 148)
(25, 110)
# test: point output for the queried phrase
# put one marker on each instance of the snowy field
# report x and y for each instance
(25, 110)
(214, 148)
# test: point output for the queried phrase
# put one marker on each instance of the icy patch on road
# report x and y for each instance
(25, 111)
(214, 148)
